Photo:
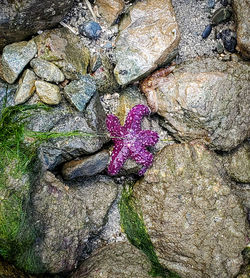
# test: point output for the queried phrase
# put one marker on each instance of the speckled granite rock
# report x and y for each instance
(19, 19)
(66, 217)
(205, 99)
(65, 50)
(242, 11)
(15, 57)
(47, 70)
(26, 87)
(119, 260)
(196, 224)
(148, 37)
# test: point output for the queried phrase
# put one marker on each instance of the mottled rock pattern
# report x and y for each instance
(20, 19)
(15, 57)
(26, 86)
(47, 70)
(65, 50)
(47, 92)
(148, 37)
(110, 9)
(67, 216)
(119, 260)
(237, 163)
(196, 224)
(207, 99)
(79, 92)
(242, 11)
(7, 94)
(87, 166)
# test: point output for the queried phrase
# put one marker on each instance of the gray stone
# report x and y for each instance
(47, 92)
(7, 94)
(65, 50)
(79, 92)
(47, 70)
(237, 163)
(20, 19)
(118, 260)
(26, 87)
(206, 99)
(196, 224)
(15, 57)
(148, 36)
(221, 15)
(87, 166)
(67, 216)
(242, 11)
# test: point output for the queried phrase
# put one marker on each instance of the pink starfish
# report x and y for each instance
(130, 140)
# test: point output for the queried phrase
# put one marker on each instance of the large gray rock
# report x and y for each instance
(67, 216)
(7, 94)
(242, 11)
(119, 260)
(20, 19)
(196, 224)
(15, 57)
(148, 36)
(205, 99)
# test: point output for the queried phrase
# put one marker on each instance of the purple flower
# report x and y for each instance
(130, 140)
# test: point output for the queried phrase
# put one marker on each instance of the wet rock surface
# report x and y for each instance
(186, 191)
(118, 260)
(19, 20)
(66, 216)
(242, 10)
(142, 45)
(15, 57)
(205, 99)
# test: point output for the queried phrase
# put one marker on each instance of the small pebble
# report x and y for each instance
(207, 31)
(91, 30)
(224, 2)
(229, 39)
(220, 15)
(220, 48)
(211, 4)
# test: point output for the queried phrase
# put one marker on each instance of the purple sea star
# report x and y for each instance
(130, 140)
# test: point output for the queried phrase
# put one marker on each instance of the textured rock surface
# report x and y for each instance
(26, 87)
(47, 70)
(20, 19)
(207, 99)
(79, 92)
(7, 93)
(87, 166)
(67, 216)
(119, 260)
(64, 49)
(148, 36)
(242, 11)
(63, 119)
(237, 163)
(110, 9)
(196, 224)
(9, 271)
(15, 57)
(47, 92)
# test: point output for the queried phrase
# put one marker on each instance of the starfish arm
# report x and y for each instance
(143, 157)
(119, 155)
(114, 127)
(134, 117)
(148, 137)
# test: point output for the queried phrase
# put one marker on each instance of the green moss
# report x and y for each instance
(17, 234)
(133, 224)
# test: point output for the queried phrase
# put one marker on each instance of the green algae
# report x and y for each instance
(133, 224)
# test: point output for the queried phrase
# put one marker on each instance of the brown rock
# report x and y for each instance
(48, 93)
(196, 224)
(110, 9)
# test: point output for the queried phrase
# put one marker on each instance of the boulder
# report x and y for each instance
(195, 222)
(148, 36)
(205, 99)
(20, 19)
